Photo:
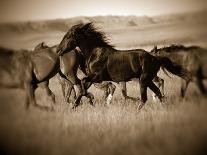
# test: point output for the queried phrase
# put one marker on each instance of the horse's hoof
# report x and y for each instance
(52, 109)
(91, 103)
(90, 95)
(141, 106)
(138, 99)
(74, 106)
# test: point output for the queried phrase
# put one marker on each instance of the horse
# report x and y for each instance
(63, 82)
(69, 64)
(26, 69)
(68, 68)
(192, 58)
(105, 63)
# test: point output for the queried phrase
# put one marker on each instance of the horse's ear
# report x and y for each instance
(88, 25)
(155, 48)
(43, 44)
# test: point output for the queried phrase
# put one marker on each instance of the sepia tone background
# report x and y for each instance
(175, 127)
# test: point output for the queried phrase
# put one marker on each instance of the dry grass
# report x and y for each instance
(174, 127)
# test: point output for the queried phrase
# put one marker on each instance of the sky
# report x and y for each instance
(24, 10)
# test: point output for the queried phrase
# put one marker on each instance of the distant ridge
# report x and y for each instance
(110, 22)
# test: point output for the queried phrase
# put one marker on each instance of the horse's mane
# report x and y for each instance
(175, 48)
(41, 45)
(94, 36)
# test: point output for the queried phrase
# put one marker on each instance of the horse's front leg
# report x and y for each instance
(83, 87)
(85, 84)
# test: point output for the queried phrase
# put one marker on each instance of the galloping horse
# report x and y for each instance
(192, 58)
(69, 65)
(63, 82)
(105, 63)
(26, 69)
(68, 68)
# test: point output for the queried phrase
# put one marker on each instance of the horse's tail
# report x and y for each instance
(164, 70)
(173, 68)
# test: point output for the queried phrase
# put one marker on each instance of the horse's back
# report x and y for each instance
(197, 59)
(125, 64)
(15, 67)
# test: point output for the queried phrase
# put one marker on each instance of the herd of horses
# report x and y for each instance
(86, 48)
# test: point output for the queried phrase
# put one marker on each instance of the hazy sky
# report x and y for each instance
(22, 10)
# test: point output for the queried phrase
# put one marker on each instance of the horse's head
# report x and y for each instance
(71, 38)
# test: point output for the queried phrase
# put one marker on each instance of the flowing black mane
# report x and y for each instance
(91, 34)
(174, 48)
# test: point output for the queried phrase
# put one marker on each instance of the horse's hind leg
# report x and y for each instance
(70, 92)
(30, 94)
(30, 90)
(156, 90)
(104, 87)
(184, 86)
(48, 91)
(112, 89)
(124, 92)
(160, 83)
(200, 85)
(143, 90)
(108, 89)
(63, 85)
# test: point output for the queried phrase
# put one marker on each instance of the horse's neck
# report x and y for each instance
(53, 49)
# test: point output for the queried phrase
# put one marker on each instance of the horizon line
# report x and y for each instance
(107, 15)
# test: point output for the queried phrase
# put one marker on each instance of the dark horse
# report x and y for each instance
(69, 64)
(192, 58)
(104, 63)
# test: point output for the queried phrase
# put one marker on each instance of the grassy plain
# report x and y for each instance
(175, 127)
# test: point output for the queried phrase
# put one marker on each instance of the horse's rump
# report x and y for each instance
(44, 61)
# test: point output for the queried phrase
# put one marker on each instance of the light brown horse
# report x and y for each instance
(26, 69)
(192, 58)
